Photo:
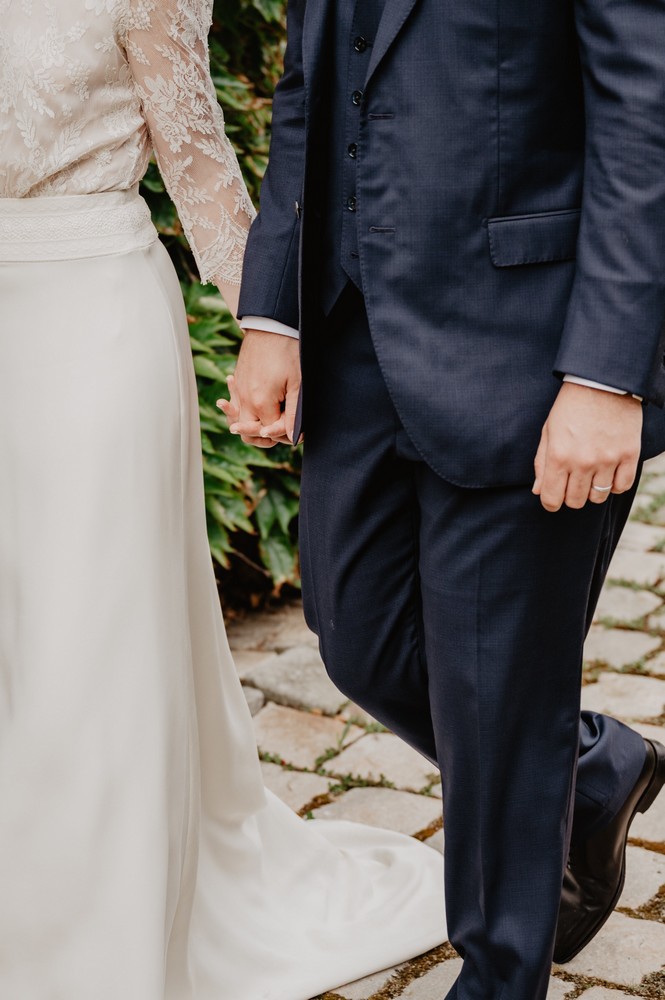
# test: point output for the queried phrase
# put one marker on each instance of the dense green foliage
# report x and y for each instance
(251, 495)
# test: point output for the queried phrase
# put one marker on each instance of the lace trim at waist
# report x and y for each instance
(68, 228)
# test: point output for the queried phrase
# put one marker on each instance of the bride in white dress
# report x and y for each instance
(140, 856)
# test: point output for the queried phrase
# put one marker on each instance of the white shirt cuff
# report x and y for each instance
(599, 385)
(267, 326)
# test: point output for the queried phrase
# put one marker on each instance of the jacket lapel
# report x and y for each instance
(394, 16)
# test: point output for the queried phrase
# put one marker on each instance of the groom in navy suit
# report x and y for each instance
(464, 219)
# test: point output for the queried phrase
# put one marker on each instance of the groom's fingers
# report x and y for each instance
(290, 408)
(268, 410)
(539, 463)
(553, 484)
(233, 392)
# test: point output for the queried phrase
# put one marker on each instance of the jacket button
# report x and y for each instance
(351, 204)
(353, 150)
(357, 97)
(360, 44)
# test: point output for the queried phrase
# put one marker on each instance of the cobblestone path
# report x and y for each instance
(327, 758)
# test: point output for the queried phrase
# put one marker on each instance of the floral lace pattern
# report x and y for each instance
(88, 88)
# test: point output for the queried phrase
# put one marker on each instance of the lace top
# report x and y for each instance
(89, 87)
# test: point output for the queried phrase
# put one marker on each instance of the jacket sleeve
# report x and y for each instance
(614, 331)
(270, 275)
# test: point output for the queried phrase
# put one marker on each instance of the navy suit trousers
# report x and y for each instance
(457, 618)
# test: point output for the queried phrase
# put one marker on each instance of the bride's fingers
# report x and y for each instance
(278, 440)
(279, 431)
(259, 442)
(247, 428)
(250, 433)
(230, 412)
(231, 406)
(276, 431)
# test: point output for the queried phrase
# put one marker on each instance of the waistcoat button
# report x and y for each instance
(360, 44)
(357, 96)
(353, 150)
(351, 204)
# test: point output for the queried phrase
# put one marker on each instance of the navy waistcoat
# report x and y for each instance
(356, 25)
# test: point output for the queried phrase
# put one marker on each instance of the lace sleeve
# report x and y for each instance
(167, 49)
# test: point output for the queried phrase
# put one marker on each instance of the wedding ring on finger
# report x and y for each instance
(602, 489)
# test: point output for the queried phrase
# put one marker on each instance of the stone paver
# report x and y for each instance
(296, 788)
(645, 874)
(657, 619)
(656, 516)
(602, 993)
(638, 537)
(271, 631)
(365, 988)
(656, 665)
(384, 755)
(255, 699)
(559, 989)
(653, 485)
(247, 660)
(654, 466)
(650, 826)
(626, 696)
(434, 984)
(400, 811)
(436, 841)
(643, 568)
(356, 714)
(618, 647)
(624, 604)
(297, 678)
(650, 732)
(300, 738)
(623, 953)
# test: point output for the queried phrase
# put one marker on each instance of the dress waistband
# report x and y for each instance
(70, 227)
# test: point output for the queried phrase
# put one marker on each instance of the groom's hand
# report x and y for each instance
(264, 391)
(591, 438)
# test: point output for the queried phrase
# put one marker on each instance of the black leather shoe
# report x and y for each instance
(597, 867)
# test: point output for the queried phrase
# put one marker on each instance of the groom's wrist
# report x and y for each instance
(267, 325)
(577, 380)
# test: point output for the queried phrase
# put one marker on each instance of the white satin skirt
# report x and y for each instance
(140, 856)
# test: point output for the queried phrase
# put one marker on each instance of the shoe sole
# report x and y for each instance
(647, 799)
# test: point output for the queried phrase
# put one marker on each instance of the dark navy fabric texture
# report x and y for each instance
(472, 115)
(456, 617)
(356, 24)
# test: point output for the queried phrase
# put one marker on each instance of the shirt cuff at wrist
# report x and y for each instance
(599, 385)
(267, 325)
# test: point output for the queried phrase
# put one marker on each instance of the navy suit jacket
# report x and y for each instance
(511, 211)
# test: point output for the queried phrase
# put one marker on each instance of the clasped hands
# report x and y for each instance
(264, 390)
(591, 439)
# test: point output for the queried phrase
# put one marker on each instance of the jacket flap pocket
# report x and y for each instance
(533, 239)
